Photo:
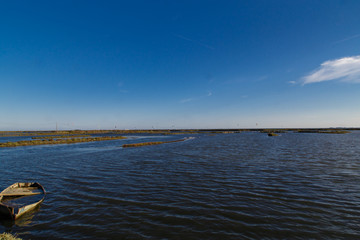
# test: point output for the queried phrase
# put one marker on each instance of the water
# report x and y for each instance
(226, 186)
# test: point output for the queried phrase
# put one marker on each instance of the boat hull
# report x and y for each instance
(18, 190)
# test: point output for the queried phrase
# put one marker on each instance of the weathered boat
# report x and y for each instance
(20, 198)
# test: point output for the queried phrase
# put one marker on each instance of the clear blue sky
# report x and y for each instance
(179, 64)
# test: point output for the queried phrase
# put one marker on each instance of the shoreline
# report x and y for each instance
(54, 141)
(81, 136)
(164, 131)
(153, 143)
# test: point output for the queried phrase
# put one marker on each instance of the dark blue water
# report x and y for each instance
(226, 186)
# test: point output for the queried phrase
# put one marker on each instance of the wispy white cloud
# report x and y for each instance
(344, 69)
(347, 39)
(186, 100)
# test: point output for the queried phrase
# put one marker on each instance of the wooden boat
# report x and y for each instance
(20, 198)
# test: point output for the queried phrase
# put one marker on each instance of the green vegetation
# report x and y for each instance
(272, 134)
(8, 236)
(150, 143)
(58, 141)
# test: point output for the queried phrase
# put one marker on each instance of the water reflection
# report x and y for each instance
(24, 221)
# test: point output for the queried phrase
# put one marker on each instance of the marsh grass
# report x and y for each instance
(151, 143)
(8, 236)
(58, 141)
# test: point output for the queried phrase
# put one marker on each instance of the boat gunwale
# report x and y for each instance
(16, 212)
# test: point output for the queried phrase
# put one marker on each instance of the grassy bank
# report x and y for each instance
(52, 141)
(151, 143)
(8, 236)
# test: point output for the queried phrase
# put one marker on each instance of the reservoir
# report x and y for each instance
(213, 186)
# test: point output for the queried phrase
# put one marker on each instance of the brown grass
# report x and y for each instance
(151, 143)
(58, 141)
(8, 236)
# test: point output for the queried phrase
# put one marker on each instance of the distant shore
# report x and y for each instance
(79, 136)
(168, 131)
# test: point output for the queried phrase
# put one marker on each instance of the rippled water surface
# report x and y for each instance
(225, 186)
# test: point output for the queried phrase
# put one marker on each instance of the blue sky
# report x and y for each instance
(179, 64)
